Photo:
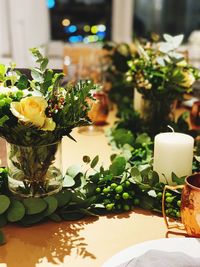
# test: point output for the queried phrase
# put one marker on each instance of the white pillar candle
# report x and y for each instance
(173, 152)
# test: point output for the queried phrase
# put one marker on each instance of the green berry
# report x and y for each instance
(125, 195)
(168, 194)
(126, 207)
(110, 206)
(98, 189)
(2, 102)
(159, 195)
(178, 214)
(113, 185)
(106, 190)
(119, 189)
(169, 199)
(127, 184)
(179, 203)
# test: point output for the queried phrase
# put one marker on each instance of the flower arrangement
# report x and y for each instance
(34, 116)
(116, 60)
(161, 75)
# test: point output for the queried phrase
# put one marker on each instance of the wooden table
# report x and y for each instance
(85, 243)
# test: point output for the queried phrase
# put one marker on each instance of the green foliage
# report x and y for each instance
(66, 105)
(124, 185)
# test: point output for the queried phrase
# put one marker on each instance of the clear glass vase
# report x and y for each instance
(34, 171)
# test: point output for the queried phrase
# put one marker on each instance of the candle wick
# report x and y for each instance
(170, 128)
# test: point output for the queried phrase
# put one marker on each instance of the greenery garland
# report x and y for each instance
(128, 182)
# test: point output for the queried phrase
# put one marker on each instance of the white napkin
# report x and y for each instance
(157, 258)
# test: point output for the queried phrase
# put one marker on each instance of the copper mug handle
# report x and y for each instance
(175, 225)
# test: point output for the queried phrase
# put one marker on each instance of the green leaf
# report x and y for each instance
(2, 238)
(135, 172)
(178, 180)
(36, 75)
(153, 178)
(94, 162)
(118, 166)
(123, 136)
(63, 198)
(16, 211)
(4, 203)
(73, 170)
(68, 181)
(143, 139)
(3, 120)
(72, 215)
(44, 64)
(34, 205)
(147, 202)
(55, 217)
(28, 220)
(52, 205)
(22, 82)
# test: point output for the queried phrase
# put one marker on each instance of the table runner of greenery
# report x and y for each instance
(128, 182)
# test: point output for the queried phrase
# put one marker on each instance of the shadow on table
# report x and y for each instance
(47, 244)
(126, 214)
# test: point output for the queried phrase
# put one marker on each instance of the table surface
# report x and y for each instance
(84, 243)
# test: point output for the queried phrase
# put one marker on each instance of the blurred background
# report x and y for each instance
(58, 25)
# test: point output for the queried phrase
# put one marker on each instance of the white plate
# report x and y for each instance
(189, 246)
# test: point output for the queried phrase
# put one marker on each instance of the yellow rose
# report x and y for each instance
(188, 79)
(32, 110)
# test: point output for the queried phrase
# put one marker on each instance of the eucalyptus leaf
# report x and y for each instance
(29, 220)
(72, 215)
(52, 205)
(86, 159)
(94, 162)
(68, 181)
(34, 205)
(55, 217)
(4, 203)
(63, 198)
(73, 170)
(16, 211)
(118, 166)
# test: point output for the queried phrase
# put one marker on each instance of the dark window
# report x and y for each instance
(80, 20)
(166, 16)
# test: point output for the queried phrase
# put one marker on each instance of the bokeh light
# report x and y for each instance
(65, 22)
(86, 28)
(50, 3)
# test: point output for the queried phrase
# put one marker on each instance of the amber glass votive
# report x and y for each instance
(99, 108)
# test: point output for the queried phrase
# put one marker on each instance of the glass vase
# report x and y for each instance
(34, 171)
(156, 113)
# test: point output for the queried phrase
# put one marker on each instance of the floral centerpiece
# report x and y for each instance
(161, 75)
(35, 114)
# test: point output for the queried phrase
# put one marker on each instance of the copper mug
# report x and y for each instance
(190, 205)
